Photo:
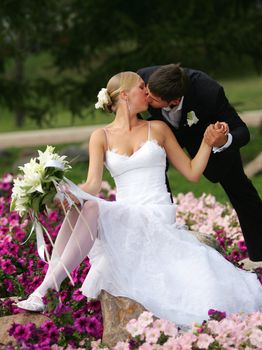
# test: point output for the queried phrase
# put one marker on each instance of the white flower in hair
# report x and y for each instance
(103, 98)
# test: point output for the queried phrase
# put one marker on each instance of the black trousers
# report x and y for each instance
(247, 204)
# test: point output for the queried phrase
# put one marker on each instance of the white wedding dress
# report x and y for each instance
(142, 254)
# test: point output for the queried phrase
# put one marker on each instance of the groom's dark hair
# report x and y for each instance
(168, 82)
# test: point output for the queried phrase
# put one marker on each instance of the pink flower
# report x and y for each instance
(256, 338)
(186, 340)
(121, 346)
(204, 340)
(3, 221)
(145, 318)
(152, 335)
(135, 328)
(146, 346)
(167, 327)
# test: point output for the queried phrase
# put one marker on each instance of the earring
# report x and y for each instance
(128, 105)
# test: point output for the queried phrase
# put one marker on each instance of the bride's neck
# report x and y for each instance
(125, 120)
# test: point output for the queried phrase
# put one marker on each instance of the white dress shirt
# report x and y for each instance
(173, 116)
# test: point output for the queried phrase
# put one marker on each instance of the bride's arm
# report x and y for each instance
(192, 169)
(93, 182)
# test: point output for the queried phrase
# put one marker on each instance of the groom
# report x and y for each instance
(188, 101)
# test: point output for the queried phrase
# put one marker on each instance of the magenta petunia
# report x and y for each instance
(81, 324)
(21, 333)
(94, 327)
(8, 267)
(77, 295)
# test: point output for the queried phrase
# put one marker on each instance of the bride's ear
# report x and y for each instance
(123, 95)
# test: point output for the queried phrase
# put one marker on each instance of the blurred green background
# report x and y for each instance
(56, 54)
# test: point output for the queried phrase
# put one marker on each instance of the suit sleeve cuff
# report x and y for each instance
(226, 145)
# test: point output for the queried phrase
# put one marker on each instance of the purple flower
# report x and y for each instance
(81, 324)
(62, 309)
(77, 295)
(21, 333)
(53, 216)
(6, 186)
(8, 285)
(13, 216)
(13, 249)
(67, 330)
(94, 327)
(216, 315)
(50, 331)
(8, 267)
(242, 246)
(64, 295)
(94, 305)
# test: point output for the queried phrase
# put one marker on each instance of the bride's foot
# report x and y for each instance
(32, 303)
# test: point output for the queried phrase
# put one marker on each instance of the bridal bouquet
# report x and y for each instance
(35, 190)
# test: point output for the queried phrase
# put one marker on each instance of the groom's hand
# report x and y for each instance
(216, 134)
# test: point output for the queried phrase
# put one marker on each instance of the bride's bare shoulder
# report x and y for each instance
(158, 125)
(98, 136)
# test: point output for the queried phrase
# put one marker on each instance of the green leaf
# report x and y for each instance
(36, 204)
(13, 204)
(48, 198)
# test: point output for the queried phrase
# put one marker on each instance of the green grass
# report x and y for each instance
(244, 92)
(60, 120)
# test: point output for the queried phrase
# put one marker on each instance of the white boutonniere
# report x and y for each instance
(191, 118)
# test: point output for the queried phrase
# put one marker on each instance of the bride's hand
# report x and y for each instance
(65, 205)
(216, 134)
(221, 127)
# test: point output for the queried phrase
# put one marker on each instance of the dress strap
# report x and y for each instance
(149, 131)
(106, 134)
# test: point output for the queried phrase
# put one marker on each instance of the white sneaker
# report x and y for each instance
(32, 303)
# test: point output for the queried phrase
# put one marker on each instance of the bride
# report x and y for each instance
(136, 248)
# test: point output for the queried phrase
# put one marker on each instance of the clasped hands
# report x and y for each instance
(216, 134)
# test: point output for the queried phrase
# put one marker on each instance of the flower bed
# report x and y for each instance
(75, 322)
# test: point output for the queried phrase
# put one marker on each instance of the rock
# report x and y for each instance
(208, 240)
(22, 318)
(117, 312)
(254, 167)
(251, 265)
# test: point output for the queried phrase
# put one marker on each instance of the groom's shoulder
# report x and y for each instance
(145, 72)
(199, 77)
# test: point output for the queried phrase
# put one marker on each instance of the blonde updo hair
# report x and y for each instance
(123, 81)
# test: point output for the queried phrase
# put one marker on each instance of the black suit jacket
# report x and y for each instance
(207, 99)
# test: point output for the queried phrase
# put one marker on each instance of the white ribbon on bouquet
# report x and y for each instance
(64, 188)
